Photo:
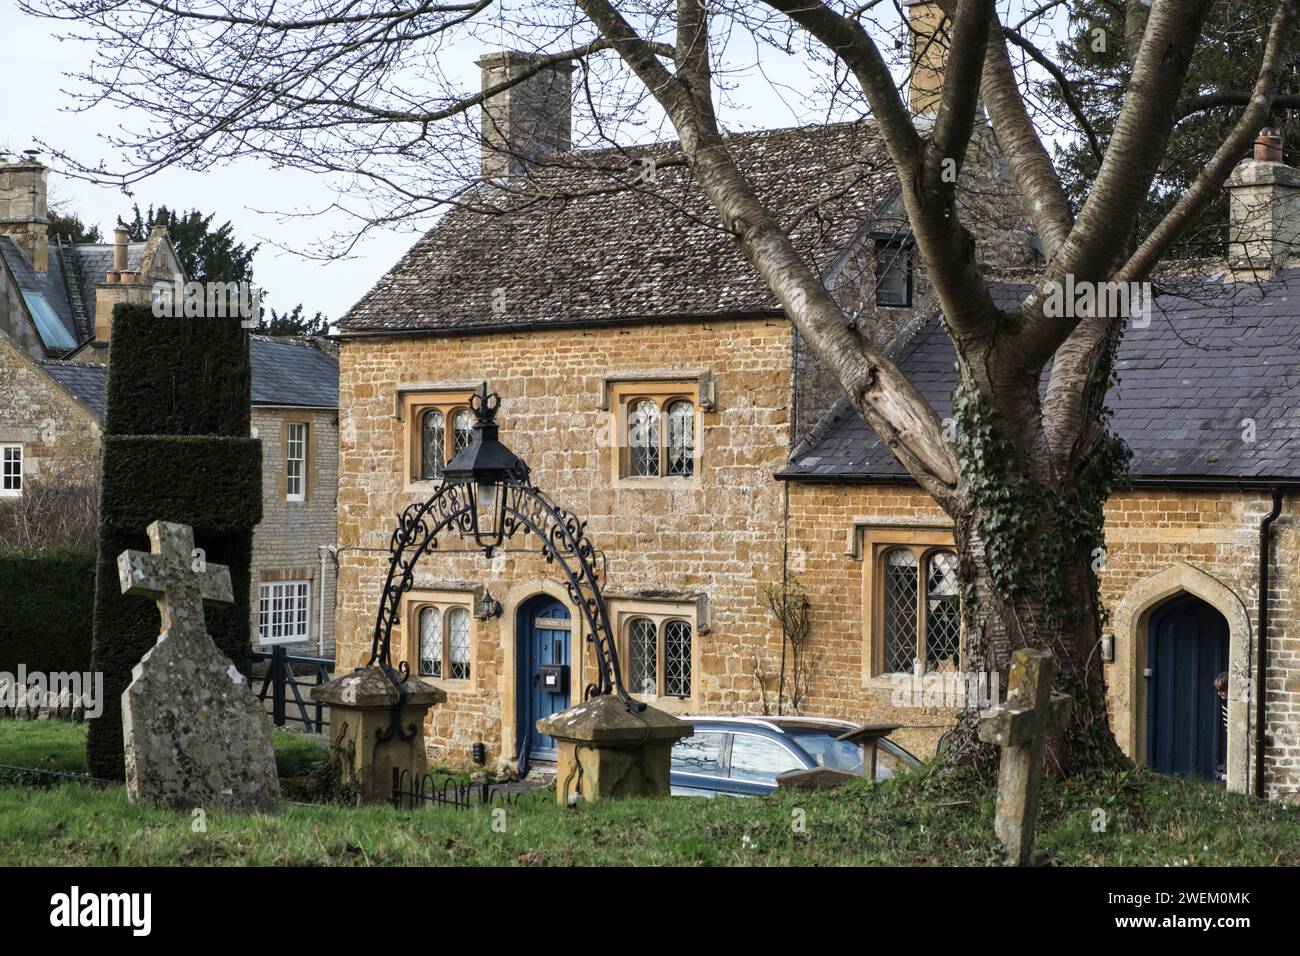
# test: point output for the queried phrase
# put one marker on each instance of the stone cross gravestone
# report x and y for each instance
(1021, 727)
(195, 734)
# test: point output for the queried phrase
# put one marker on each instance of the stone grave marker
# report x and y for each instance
(194, 732)
(1021, 727)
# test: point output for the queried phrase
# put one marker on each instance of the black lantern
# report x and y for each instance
(484, 468)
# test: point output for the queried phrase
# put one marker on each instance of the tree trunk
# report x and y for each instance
(1055, 606)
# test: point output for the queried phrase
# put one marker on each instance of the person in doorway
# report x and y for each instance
(1221, 685)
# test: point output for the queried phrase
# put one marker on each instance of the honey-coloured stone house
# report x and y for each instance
(655, 389)
(56, 301)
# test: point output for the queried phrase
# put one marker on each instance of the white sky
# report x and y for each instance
(34, 104)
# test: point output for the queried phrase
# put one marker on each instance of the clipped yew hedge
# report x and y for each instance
(47, 601)
(176, 447)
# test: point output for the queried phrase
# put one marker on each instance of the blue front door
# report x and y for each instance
(1187, 648)
(543, 629)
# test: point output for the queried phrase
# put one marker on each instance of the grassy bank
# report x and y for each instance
(1149, 821)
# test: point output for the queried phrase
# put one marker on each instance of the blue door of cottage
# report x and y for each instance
(543, 629)
(1187, 648)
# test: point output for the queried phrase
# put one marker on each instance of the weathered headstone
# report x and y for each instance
(1021, 727)
(194, 732)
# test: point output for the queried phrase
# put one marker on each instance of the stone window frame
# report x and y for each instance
(875, 544)
(11, 468)
(412, 406)
(623, 611)
(273, 582)
(444, 602)
(621, 395)
(311, 471)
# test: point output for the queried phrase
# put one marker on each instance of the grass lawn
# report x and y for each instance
(1150, 820)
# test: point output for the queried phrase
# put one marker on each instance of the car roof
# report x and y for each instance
(778, 724)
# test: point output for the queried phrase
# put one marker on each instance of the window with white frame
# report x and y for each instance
(658, 652)
(295, 462)
(284, 612)
(11, 471)
(443, 641)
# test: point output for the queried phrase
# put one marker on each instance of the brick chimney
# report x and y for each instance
(528, 121)
(928, 52)
(23, 214)
(1263, 209)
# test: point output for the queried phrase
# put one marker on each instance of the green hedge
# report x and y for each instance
(151, 477)
(175, 448)
(48, 600)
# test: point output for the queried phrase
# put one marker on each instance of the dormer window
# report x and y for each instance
(893, 273)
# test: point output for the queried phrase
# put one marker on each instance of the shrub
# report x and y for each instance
(176, 448)
(48, 599)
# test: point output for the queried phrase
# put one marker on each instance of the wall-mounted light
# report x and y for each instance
(487, 607)
(1108, 648)
(479, 752)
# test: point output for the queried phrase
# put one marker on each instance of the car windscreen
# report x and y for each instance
(826, 750)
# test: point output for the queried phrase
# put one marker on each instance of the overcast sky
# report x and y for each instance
(34, 105)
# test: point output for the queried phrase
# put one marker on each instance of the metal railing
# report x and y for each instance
(282, 682)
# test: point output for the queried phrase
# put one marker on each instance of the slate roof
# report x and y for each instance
(90, 263)
(285, 373)
(1213, 356)
(593, 251)
(293, 372)
(84, 381)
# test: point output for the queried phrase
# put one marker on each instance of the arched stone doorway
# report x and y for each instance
(1131, 619)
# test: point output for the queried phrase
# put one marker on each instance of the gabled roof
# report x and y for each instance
(286, 373)
(591, 250)
(1216, 360)
(46, 294)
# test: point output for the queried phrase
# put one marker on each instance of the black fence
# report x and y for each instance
(287, 683)
(443, 790)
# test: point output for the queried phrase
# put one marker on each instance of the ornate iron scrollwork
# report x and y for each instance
(563, 540)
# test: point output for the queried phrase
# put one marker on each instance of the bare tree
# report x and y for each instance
(355, 88)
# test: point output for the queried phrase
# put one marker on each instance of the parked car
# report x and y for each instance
(743, 756)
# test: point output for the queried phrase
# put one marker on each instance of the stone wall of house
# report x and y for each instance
(286, 543)
(1159, 544)
(60, 437)
(718, 537)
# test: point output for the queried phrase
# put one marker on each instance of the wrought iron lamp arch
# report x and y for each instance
(487, 483)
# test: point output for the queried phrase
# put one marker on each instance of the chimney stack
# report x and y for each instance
(528, 121)
(927, 53)
(1263, 209)
(23, 213)
(120, 235)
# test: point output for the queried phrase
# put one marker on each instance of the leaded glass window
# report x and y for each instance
(458, 654)
(942, 613)
(677, 659)
(681, 439)
(430, 642)
(432, 444)
(643, 438)
(462, 432)
(900, 591)
(643, 656)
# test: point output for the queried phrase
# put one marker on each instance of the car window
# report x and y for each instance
(701, 753)
(760, 759)
(890, 761)
(827, 751)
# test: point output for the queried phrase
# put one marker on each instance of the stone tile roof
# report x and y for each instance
(286, 372)
(293, 372)
(594, 251)
(1214, 356)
